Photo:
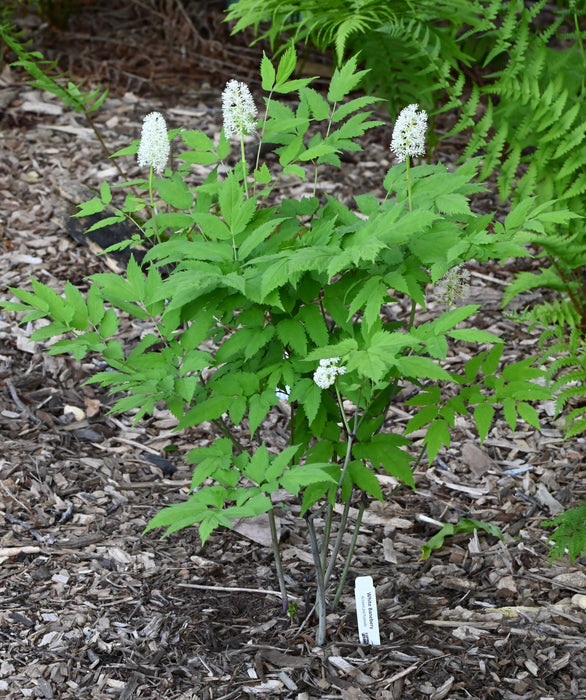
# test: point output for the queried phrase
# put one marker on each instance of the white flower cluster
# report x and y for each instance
(325, 375)
(453, 285)
(409, 133)
(154, 146)
(239, 109)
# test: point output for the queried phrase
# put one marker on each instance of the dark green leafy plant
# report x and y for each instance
(46, 77)
(570, 535)
(245, 303)
(464, 525)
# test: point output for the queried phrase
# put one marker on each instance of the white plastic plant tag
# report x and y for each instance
(366, 611)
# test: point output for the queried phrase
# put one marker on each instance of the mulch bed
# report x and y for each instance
(92, 608)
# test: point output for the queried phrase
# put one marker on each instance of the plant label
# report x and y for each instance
(366, 611)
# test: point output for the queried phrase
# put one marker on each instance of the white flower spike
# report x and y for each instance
(409, 133)
(325, 375)
(453, 285)
(239, 109)
(154, 146)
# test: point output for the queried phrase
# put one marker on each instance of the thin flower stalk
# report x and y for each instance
(338, 543)
(350, 554)
(344, 518)
(278, 560)
(319, 579)
(408, 141)
(326, 537)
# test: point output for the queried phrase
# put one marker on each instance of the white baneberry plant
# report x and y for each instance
(247, 291)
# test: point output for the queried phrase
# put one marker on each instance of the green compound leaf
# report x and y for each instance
(438, 434)
(209, 459)
(490, 364)
(257, 236)
(318, 106)
(197, 140)
(314, 473)
(109, 324)
(267, 73)
(428, 413)
(463, 525)
(384, 450)
(280, 463)
(344, 80)
(259, 406)
(420, 368)
(286, 65)
(93, 206)
(307, 392)
(262, 175)
(95, 305)
(337, 350)
(178, 516)
(174, 191)
(257, 466)
(483, 417)
(292, 334)
(528, 414)
(314, 324)
(365, 479)
(474, 335)
(207, 410)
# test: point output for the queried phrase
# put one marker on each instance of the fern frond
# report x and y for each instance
(558, 314)
(570, 534)
(493, 156)
(573, 390)
(577, 189)
(534, 11)
(576, 422)
(506, 179)
(505, 36)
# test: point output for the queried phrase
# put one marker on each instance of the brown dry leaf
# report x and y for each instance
(477, 459)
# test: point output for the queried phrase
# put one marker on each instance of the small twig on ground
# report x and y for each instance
(18, 402)
(228, 589)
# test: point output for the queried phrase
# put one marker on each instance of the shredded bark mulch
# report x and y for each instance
(92, 608)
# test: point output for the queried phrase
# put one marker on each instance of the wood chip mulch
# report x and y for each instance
(92, 608)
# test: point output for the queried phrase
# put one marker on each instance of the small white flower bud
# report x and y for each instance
(154, 146)
(409, 133)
